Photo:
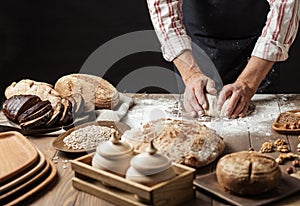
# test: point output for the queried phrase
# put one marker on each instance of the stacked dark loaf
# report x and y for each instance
(35, 104)
(31, 112)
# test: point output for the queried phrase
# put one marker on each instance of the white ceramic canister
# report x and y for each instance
(150, 167)
(113, 155)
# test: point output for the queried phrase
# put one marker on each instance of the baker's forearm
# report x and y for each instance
(255, 71)
(186, 65)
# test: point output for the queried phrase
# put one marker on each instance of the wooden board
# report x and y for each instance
(26, 175)
(48, 177)
(59, 144)
(280, 127)
(287, 186)
(32, 181)
(16, 155)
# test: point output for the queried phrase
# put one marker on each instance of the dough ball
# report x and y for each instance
(212, 110)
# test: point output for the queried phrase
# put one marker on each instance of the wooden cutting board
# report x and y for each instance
(24, 187)
(27, 175)
(16, 155)
(286, 187)
(49, 175)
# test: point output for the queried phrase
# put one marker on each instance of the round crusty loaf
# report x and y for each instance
(247, 173)
(187, 142)
(94, 89)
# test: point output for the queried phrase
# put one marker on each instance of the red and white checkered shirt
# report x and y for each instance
(276, 38)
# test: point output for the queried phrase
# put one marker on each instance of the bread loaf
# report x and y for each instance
(43, 90)
(247, 173)
(17, 104)
(94, 89)
(188, 142)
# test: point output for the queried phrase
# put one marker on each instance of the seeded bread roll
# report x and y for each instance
(94, 89)
(247, 173)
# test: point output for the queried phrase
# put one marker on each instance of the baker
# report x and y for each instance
(243, 38)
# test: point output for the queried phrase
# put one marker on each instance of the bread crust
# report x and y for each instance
(93, 89)
(17, 104)
(247, 173)
(187, 142)
(43, 90)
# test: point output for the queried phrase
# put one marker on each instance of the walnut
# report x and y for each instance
(296, 163)
(279, 160)
(283, 148)
(171, 132)
(279, 142)
(190, 160)
(288, 156)
(289, 170)
(266, 147)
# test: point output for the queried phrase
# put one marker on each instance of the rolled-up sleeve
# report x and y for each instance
(279, 31)
(166, 17)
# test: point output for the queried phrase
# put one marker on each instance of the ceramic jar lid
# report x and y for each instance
(114, 147)
(150, 162)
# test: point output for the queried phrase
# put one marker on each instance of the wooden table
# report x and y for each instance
(239, 134)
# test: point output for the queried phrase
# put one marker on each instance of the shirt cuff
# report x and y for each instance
(175, 46)
(271, 50)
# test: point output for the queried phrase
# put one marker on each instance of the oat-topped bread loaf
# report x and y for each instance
(187, 142)
(93, 89)
(43, 90)
(248, 173)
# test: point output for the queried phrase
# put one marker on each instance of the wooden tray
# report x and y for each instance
(59, 144)
(26, 184)
(16, 155)
(287, 186)
(124, 192)
(280, 128)
(32, 189)
(26, 175)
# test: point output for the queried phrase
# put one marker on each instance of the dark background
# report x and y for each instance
(44, 40)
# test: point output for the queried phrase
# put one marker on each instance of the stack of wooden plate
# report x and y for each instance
(24, 170)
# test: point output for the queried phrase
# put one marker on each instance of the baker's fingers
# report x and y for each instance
(201, 99)
(211, 87)
(223, 96)
(238, 109)
(233, 101)
(244, 112)
(191, 104)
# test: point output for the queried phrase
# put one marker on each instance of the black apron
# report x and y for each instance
(227, 31)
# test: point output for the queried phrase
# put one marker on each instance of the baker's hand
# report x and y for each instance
(194, 95)
(240, 96)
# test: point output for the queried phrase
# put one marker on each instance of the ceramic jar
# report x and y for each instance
(113, 155)
(150, 167)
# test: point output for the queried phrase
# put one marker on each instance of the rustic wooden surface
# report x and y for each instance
(238, 134)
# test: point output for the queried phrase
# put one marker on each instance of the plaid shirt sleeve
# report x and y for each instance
(166, 16)
(276, 38)
(280, 30)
